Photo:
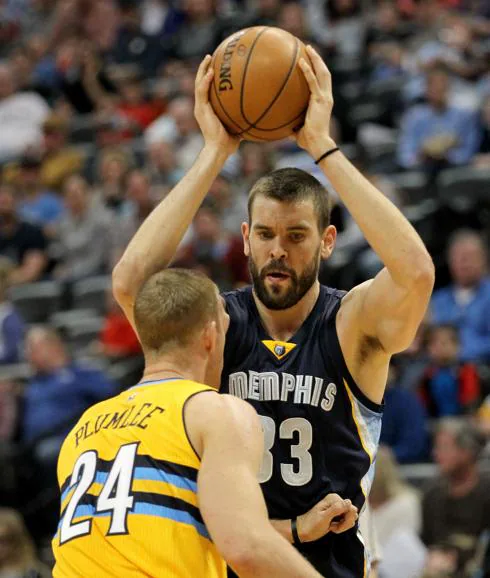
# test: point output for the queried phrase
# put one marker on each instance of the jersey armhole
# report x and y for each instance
(331, 344)
(183, 418)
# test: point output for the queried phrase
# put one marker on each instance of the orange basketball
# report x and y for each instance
(259, 91)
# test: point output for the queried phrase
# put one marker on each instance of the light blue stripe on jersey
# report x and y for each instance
(145, 509)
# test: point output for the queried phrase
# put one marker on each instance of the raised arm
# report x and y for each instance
(230, 499)
(382, 314)
(155, 243)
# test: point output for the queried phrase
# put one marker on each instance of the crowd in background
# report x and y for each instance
(97, 125)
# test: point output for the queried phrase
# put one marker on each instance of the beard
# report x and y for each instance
(277, 297)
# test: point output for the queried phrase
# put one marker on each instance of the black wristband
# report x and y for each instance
(294, 532)
(327, 154)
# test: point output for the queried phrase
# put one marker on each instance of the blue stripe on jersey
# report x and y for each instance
(150, 474)
(145, 509)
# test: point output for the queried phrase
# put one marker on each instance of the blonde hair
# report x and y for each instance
(22, 554)
(172, 306)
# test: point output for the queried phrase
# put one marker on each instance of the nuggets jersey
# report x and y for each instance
(321, 432)
(128, 480)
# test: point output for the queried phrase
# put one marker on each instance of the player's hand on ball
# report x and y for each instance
(314, 135)
(332, 514)
(213, 131)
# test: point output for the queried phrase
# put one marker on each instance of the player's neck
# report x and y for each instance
(283, 324)
(173, 369)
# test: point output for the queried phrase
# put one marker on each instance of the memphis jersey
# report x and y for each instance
(128, 479)
(321, 432)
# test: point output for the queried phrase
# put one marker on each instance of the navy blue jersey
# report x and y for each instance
(320, 431)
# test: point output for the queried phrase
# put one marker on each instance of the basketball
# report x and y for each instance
(259, 91)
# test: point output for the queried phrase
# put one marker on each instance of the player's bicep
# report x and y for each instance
(392, 313)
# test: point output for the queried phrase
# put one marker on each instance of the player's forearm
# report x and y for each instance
(273, 556)
(155, 243)
(283, 527)
(387, 231)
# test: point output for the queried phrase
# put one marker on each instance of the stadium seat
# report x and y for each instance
(36, 302)
(91, 293)
(15, 372)
(465, 187)
(412, 185)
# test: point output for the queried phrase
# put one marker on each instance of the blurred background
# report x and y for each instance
(96, 126)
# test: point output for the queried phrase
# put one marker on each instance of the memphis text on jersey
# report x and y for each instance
(272, 386)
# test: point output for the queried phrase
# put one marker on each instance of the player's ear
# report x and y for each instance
(328, 241)
(246, 238)
(210, 336)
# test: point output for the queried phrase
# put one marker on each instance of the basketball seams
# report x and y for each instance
(278, 94)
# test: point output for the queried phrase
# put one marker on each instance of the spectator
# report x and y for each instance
(396, 512)
(58, 393)
(457, 502)
(21, 116)
(17, 555)
(203, 24)
(178, 127)
(465, 303)
(230, 203)
(404, 427)
(218, 253)
(37, 205)
(292, 18)
(59, 160)
(435, 135)
(117, 339)
(448, 388)
(11, 324)
(83, 245)
(23, 243)
(138, 206)
(134, 107)
(162, 167)
(113, 167)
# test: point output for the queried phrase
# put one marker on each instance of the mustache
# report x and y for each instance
(277, 267)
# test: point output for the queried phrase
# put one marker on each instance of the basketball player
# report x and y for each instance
(312, 360)
(162, 479)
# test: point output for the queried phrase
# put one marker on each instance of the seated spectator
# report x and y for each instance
(162, 167)
(113, 167)
(404, 427)
(292, 18)
(58, 393)
(59, 159)
(23, 243)
(21, 116)
(134, 107)
(456, 505)
(465, 303)
(17, 555)
(11, 324)
(435, 135)
(219, 254)
(83, 241)
(396, 512)
(178, 127)
(117, 339)
(138, 206)
(448, 387)
(36, 204)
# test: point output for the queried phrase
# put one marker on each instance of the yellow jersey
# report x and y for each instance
(128, 482)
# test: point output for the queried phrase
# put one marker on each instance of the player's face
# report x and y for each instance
(284, 247)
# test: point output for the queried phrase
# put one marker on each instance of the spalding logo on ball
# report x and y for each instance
(259, 91)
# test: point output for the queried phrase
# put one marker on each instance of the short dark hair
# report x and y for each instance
(172, 306)
(291, 186)
(466, 435)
